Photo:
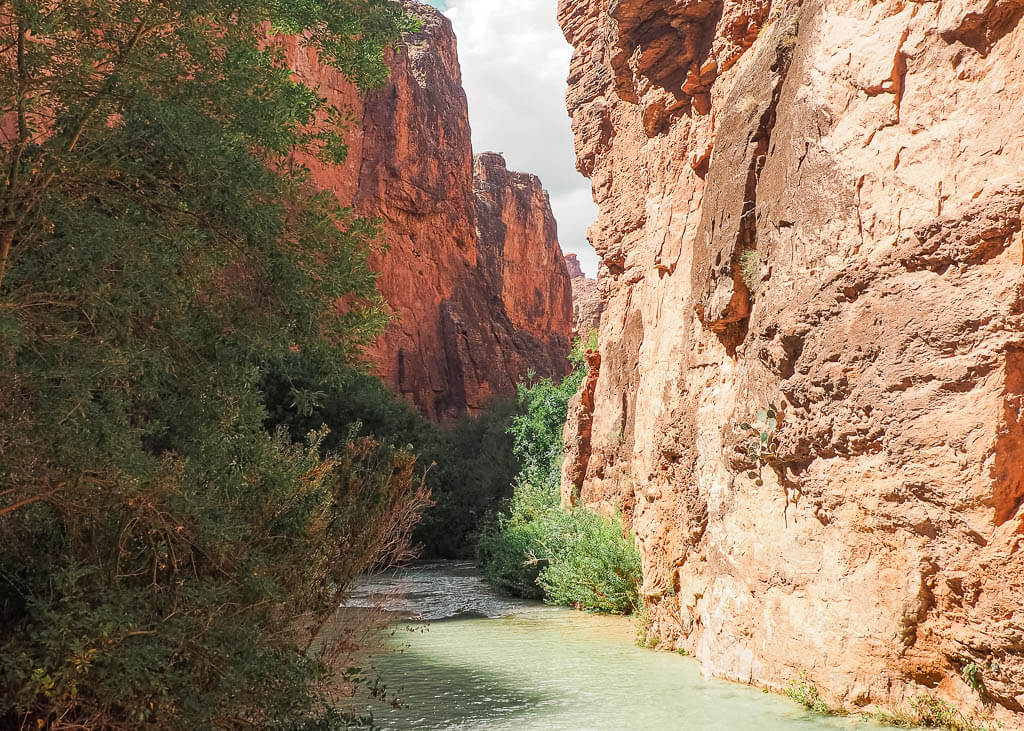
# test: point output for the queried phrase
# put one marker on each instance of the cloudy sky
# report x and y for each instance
(514, 63)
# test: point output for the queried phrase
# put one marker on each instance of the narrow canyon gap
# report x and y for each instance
(473, 271)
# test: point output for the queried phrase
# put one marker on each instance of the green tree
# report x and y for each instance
(471, 465)
(537, 428)
(165, 561)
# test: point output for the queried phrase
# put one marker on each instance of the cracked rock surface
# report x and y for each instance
(813, 207)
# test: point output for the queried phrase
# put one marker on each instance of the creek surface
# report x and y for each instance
(466, 658)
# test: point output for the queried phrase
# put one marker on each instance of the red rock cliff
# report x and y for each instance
(522, 268)
(473, 310)
(586, 300)
(812, 209)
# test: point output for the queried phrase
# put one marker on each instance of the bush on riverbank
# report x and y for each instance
(597, 568)
(472, 460)
(514, 550)
(535, 548)
(575, 558)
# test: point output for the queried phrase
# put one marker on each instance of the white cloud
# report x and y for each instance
(514, 64)
(575, 211)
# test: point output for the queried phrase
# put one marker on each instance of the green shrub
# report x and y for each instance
(806, 694)
(924, 711)
(936, 713)
(535, 548)
(928, 712)
(514, 549)
(537, 428)
(577, 559)
(595, 566)
(173, 605)
(472, 477)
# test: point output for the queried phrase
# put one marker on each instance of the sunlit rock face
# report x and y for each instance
(472, 270)
(813, 207)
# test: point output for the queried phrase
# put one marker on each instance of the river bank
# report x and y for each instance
(466, 658)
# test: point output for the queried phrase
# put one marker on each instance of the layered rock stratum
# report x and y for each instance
(587, 304)
(810, 228)
(472, 270)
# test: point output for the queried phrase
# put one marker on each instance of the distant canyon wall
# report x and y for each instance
(473, 271)
(810, 224)
(587, 304)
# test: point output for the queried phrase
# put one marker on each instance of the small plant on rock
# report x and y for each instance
(762, 443)
(749, 264)
(806, 694)
(935, 713)
(972, 676)
(643, 628)
(928, 712)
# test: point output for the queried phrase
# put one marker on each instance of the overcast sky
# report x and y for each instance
(514, 64)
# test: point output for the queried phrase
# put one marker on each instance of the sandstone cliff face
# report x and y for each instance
(587, 304)
(523, 273)
(477, 285)
(812, 208)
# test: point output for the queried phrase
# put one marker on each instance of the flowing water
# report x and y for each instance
(474, 660)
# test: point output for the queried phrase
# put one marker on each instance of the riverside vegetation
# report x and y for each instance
(469, 465)
(177, 526)
(494, 480)
(921, 712)
(538, 549)
(166, 561)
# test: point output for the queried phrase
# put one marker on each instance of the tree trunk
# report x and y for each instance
(6, 239)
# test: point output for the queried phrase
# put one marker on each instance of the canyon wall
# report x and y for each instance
(809, 396)
(587, 304)
(472, 270)
(524, 274)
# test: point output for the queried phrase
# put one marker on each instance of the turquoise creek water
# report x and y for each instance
(475, 660)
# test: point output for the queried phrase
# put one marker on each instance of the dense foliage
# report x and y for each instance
(594, 566)
(471, 464)
(515, 548)
(537, 428)
(536, 548)
(165, 560)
